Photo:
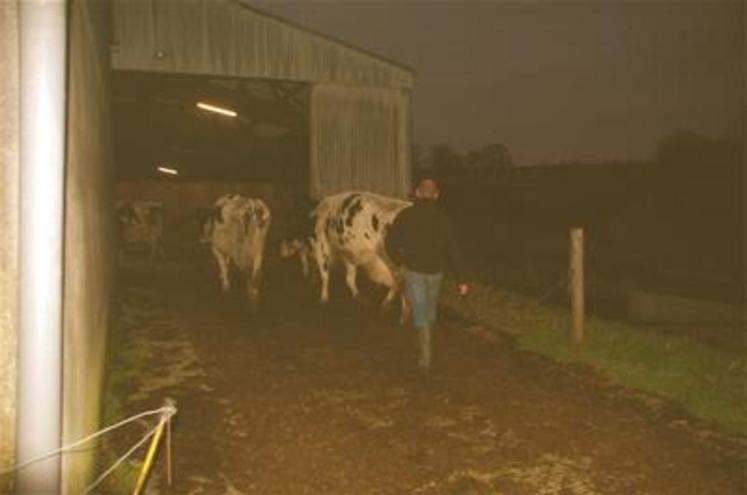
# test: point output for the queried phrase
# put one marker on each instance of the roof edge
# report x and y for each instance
(314, 32)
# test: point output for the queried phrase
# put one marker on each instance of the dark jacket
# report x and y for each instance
(422, 239)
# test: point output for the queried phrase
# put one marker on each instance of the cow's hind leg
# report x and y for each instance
(303, 255)
(323, 261)
(252, 289)
(405, 309)
(389, 298)
(350, 278)
(254, 280)
(222, 270)
(406, 312)
(380, 273)
(383, 274)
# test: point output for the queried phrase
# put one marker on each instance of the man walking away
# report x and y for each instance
(422, 240)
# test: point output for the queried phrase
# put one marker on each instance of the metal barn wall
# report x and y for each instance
(9, 168)
(359, 140)
(88, 233)
(359, 123)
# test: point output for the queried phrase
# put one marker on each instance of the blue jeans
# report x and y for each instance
(422, 291)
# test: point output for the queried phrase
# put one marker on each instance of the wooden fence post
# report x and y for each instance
(577, 284)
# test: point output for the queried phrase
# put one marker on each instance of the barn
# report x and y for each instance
(180, 101)
(97, 96)
(312, 115)
(312, 108)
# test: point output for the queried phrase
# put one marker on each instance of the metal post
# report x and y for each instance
(43, 50)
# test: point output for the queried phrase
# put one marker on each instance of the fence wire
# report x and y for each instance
(166, 413)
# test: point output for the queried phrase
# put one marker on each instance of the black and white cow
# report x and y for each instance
(351, 228)
(237, 230)
(299, 236)
(140, 223)
(301, 247)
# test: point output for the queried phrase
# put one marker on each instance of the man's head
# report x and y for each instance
(427, 189)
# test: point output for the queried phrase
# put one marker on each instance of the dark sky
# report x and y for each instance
(554, 81)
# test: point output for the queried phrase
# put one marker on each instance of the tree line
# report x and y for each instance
(681, 149)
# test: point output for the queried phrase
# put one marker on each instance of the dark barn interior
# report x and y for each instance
(156, 121)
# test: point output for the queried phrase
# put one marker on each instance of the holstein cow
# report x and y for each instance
(301, 247)
(140, 223)
(237, 230)
(299, 238)
(351, 227)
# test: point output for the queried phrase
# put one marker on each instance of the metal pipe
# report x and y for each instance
(43, 50)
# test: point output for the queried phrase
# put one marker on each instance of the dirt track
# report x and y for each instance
(299, 400)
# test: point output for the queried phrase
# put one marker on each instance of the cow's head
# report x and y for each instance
(290, 247)
(126, 214)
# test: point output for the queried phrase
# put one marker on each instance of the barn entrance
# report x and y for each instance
(210, 128)
(183, 141)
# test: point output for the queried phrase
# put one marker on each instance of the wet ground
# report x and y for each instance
(296, 399)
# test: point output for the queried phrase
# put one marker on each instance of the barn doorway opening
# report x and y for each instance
(185, 140)
(157, 122)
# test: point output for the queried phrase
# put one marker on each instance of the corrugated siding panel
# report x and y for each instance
(359, 140)
(221, 37)
(89, 236)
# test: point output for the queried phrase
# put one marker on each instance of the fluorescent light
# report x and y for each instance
(213, 108)
(167, 170)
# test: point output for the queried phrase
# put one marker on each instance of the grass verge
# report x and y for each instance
(710, 383)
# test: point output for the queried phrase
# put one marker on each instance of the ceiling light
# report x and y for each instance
(168, 170)
(213, 108)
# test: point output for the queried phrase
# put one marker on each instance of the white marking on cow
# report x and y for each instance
(237, 231)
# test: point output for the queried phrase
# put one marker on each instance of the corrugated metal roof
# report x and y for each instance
(230, 38)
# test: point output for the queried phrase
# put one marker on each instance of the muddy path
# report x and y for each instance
(296, 399)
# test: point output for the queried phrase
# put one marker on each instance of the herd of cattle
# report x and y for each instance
(347, 229)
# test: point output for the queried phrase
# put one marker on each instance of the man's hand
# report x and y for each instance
(463, 289)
